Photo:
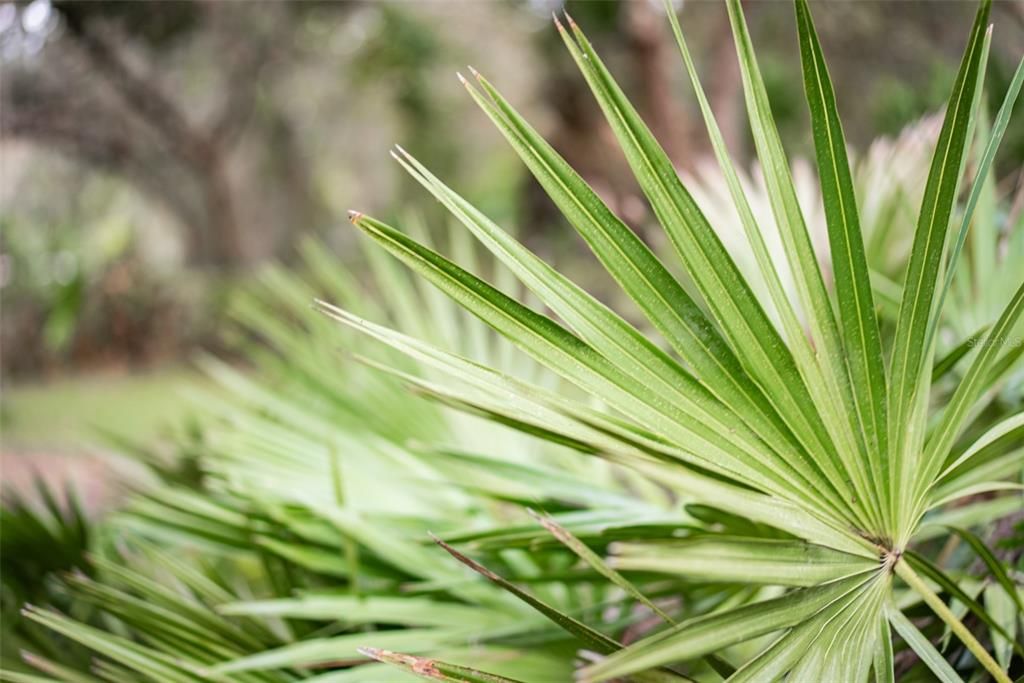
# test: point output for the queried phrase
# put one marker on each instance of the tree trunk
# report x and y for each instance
(652, 55)
(725, 86)
(226, 247)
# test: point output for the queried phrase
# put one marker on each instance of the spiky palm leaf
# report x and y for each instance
(44, 534)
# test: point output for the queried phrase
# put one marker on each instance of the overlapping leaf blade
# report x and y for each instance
(714, 632)
(743, 320)
(908, 376)
(756, 561)
(861, 337)
(642, 276)
(832, 390)
(610, 335)
(554, 346)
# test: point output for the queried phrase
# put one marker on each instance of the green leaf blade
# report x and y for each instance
(907, 365)
(747, 560)
(849, 261)
(834, 394)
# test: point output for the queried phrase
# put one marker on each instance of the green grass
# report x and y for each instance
(69, 413)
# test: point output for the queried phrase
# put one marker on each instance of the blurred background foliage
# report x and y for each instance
(156, 156)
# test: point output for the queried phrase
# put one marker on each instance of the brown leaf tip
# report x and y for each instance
(553, 527)
(418, 665)
(354, 216)
(372, 652)
(31, 658)
(466, 560)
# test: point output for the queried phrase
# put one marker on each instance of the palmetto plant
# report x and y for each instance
(811, 430)
(320, 480)
(733, 493)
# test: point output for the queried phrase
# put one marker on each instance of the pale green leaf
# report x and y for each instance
(923, 647)
(744, 560)
(713, 632)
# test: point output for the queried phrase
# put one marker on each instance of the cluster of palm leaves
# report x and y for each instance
(485, 473)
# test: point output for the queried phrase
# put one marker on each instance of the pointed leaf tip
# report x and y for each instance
(401, 151)
(545, 521)
(462, 79)
(468, 561)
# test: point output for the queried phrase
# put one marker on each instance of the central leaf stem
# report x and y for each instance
(904, 571)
